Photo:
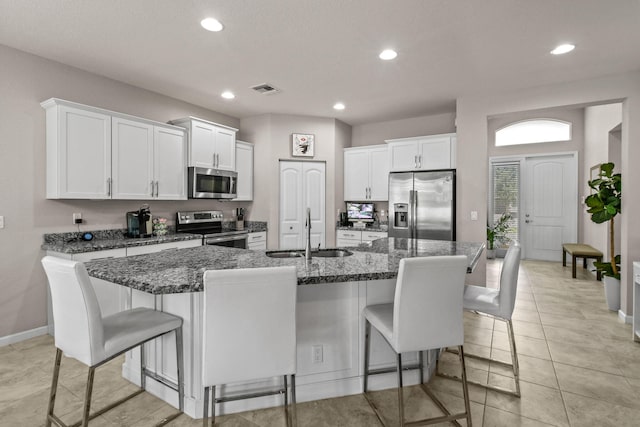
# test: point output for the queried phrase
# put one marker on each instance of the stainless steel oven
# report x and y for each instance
(209, 225)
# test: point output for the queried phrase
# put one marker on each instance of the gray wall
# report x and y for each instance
(378, 132)
(599, 121)
(271, 134)
(25, 81)
(473, 113)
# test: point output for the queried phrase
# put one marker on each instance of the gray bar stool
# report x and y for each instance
(83, 334)
(426, 314)
(249, 312)
(498, 304)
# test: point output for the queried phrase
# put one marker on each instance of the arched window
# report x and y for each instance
(533, 131)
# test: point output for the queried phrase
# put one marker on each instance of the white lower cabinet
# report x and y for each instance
(346, 238)
(330, 340)
(257, 241)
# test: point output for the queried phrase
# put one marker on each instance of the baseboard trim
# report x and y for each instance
(22, 336)
(626, 319)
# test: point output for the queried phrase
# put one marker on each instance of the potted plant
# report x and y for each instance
(603, 205)
(495, 233)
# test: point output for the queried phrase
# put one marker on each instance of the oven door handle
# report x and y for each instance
(225, 238)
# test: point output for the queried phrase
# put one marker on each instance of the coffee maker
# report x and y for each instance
(139, 223)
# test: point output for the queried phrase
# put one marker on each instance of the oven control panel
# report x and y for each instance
(199, 217)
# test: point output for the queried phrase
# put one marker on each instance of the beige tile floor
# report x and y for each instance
(579, 367)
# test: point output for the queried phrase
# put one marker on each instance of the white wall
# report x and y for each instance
(25, 81)
(472, 115)
(599, 121)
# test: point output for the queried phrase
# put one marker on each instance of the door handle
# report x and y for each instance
(109, 187)
(419, 161)
(152, 188)
(415, 161)
(157, 188)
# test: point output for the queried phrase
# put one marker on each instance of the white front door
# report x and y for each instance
(302, 186)
(550, 211)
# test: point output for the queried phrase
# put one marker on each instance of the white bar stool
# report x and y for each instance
(499, 304)
(83, 334)
(426, 314)
(249, 312)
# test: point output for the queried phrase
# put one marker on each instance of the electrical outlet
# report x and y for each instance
(77, 218)
(1, 221)
(474, 215)
(316, 353)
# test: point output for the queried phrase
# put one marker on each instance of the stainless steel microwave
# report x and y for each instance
(207, 183)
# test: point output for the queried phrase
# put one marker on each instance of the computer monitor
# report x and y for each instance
(360, 212)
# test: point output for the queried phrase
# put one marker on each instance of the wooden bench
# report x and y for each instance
(577, 250)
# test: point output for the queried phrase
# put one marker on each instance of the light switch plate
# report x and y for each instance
(1, 221)
(474, 215)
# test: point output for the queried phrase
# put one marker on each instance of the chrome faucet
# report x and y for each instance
(307, 249)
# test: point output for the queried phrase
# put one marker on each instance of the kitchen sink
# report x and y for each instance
(331, 253)
(284, 254)
(322, 253)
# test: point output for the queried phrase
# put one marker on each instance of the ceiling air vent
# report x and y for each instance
(265, 89)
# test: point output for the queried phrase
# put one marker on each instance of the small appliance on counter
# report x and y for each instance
(139, 223)
(239, 218)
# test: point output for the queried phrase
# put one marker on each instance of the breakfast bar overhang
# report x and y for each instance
(331, 295)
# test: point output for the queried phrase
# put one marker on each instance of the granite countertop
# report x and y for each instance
(181, 270)
(70, 243)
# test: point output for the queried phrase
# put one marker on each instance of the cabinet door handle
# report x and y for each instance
(419, 160)
(157, 188)
(151, 188)
(217, 160)
(109, 187)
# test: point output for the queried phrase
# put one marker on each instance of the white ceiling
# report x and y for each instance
(319, 52)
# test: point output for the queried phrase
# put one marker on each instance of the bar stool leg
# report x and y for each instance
(54, 387)
(213, 405)
(87, 397)
(294, 413)
(367, 344)
(180, 361)
(465, 387)
(514, 357)
(400, 393)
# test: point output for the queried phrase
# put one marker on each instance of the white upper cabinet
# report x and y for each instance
(132, 162)
(244, 167)
(78, 152)
(366, 173)
(99, 154)
(422, 153)
(211, 145)
(169, 163)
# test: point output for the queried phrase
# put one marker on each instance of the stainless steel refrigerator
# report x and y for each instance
(422, 205)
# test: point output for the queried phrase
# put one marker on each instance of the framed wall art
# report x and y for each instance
(302, 145)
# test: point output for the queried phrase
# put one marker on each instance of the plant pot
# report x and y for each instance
(612, 292)
(491, 253)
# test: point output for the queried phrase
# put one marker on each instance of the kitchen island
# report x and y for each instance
(331, 297)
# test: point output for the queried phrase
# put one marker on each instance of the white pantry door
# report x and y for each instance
(302, 185)
(550, 205)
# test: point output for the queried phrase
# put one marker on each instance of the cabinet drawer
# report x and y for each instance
(349, 235)
(346, 243)
(368, 236)
(260, 236)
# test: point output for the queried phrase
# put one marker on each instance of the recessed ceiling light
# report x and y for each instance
(227, 95)
(338, 106)
(563, 48)
(211, 24)
(388, 54)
